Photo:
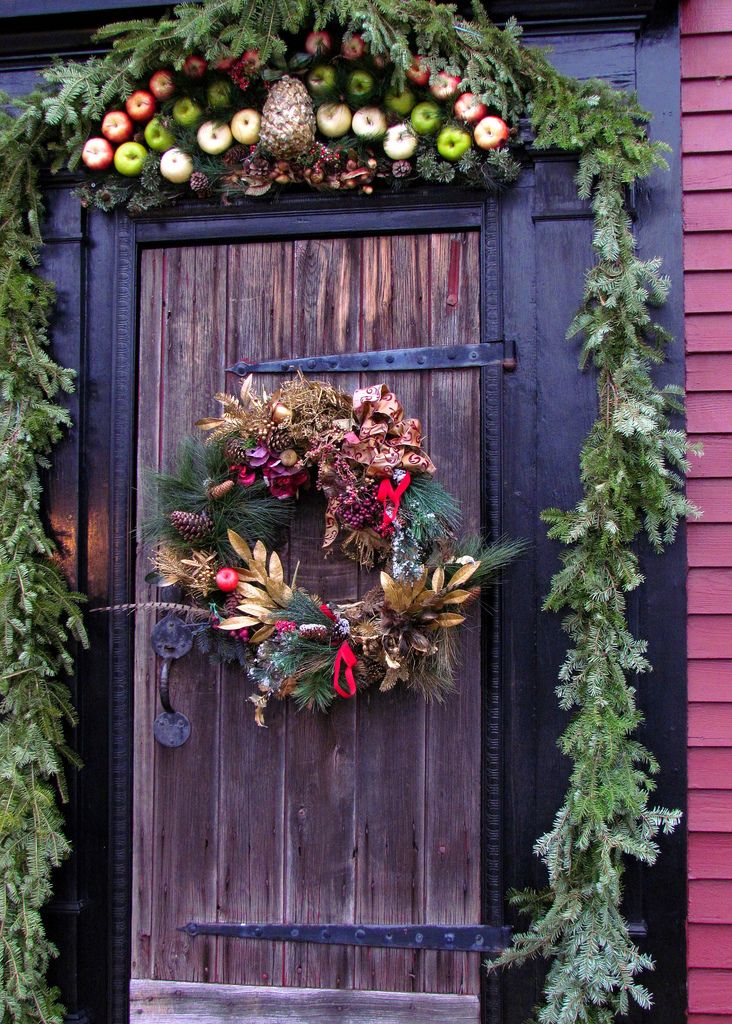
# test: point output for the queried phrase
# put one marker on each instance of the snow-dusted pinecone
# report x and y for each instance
(340, 630)
(313, 631)
(401, 168)
(192, 525)
(235, 155)
(219, 490)
(199, 183)
(288, 119)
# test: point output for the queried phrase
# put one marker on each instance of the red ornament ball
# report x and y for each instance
(227, 580)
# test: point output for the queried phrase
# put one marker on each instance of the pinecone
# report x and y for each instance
(279, 439)
(359, 508)
(313, 631)
(288, 121)
(199, 183)
(192, 525)
(340, 630)
(236, 155)
(373, 670)
(231, 605)
(236, 450)
(401, 168)
(219, 490)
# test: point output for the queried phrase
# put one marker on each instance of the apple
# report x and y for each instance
(426, 118)
(333, 119)
(322, 80)
(400, 102)
(369, 123)
(252, 60)
(400, 142)
(140, 105)
(218, 94)
(418, 72)
(117, 126)
(490, 132)
(176, 166)
(227, 580)
(469, 108)
(453, 142)
(157, 136)
(194, 66)
(214, 137)
(97, 154)
(130, 159)
(444, 86)
(360, 85)
(225, 64)
(186, 112)
(353, 48)
(245, 126)
(317, 43)
(161, 84)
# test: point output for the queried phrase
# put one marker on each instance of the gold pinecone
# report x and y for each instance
(279, 439)
(288, 121)
(372, 670)
(236, 450)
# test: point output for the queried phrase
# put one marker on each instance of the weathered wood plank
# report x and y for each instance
(153, 286)
(252, 760)
(167, 1002)
(319, 815)
(186, 786)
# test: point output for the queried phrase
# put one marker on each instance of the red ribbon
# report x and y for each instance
(345, 656)
(388, 494)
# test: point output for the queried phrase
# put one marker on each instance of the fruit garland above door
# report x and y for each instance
(367, 458)
(261, 60)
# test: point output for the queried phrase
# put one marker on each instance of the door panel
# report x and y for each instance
(372, 813)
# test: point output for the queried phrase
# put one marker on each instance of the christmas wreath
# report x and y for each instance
(232, 494)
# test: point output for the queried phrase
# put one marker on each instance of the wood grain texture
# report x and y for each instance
(155, 1002)
(706, 56)
(708, 332)
(710, 991)
(710, 768)
(708, 211)
(710, 945)
(710, 810)
(710, 681)
(713, 497)
(707, 133)
(708, 291)
(710, 591)
(710, 855)
(716, 460)
(710, 902)
(710, 724)
(708, 250)
(709, 372)
(704, 17)
(706, 94)
(709, 636)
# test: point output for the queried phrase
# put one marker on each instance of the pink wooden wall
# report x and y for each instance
(706, 58)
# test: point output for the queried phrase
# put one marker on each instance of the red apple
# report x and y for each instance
(117, 126)
(225, 64)
(353, 48)
(162, 85)
(490, 132)
(445, 86)
(469, 108)
(140, 105)
(418, 72)
(227, 580)
(97, 154)
(318, 43)
(252, 60)
(194, 66)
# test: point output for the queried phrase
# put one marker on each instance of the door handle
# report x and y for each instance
(171, 639)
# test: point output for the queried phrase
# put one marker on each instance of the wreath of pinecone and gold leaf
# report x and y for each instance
(221, 514)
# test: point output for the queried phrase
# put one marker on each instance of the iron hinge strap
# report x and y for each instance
(439, 357)
(490, 940)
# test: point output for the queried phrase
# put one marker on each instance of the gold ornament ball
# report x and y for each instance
(280, 413)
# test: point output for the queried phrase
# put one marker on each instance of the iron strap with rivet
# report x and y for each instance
(438, 357)
(490, 940)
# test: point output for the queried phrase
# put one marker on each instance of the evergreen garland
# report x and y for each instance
(632, 469)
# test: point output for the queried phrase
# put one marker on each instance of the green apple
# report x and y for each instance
(360, 85)
(400, 102)
(186, 112)
(426, 118)
(322, 80)
(453, 142)
(333, 119)
(157, 136)
(218, 94)
(130, 159)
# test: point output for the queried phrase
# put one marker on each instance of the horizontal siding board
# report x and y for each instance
(710, 945)
(713, 497)
(708, 211)
(707, 16)
(707, 133)
(710, 855)
(706, 56)
(708, 332)
(710, 768)
(710, 902)
(709, 545)
(708, 291)
(708, 250)
(710, 725)
(709, 636)
(709, 592)
(716, 459)
(710, 681)
(709, 412)
(706, 94)
(710, 991)
(709, 372)
(709, 1018)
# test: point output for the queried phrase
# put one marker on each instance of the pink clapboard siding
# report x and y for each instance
(706, 102)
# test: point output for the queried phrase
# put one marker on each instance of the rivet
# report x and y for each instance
(421, 359)
(312, 363)
(389, 937)
(365, 362)
(360, 934)
(478, 940)
(449, 937)
(295, 932)
(258, 932)
(390, 359)
(474, 355)
(419, 937)
(325, 933)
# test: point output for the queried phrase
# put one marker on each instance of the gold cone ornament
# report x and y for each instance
(288, 121)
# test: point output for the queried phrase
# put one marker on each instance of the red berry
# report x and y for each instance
(227, 580)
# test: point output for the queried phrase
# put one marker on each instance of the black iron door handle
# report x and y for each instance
(171, 639)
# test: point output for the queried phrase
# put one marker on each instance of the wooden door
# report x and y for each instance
(370, 814)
